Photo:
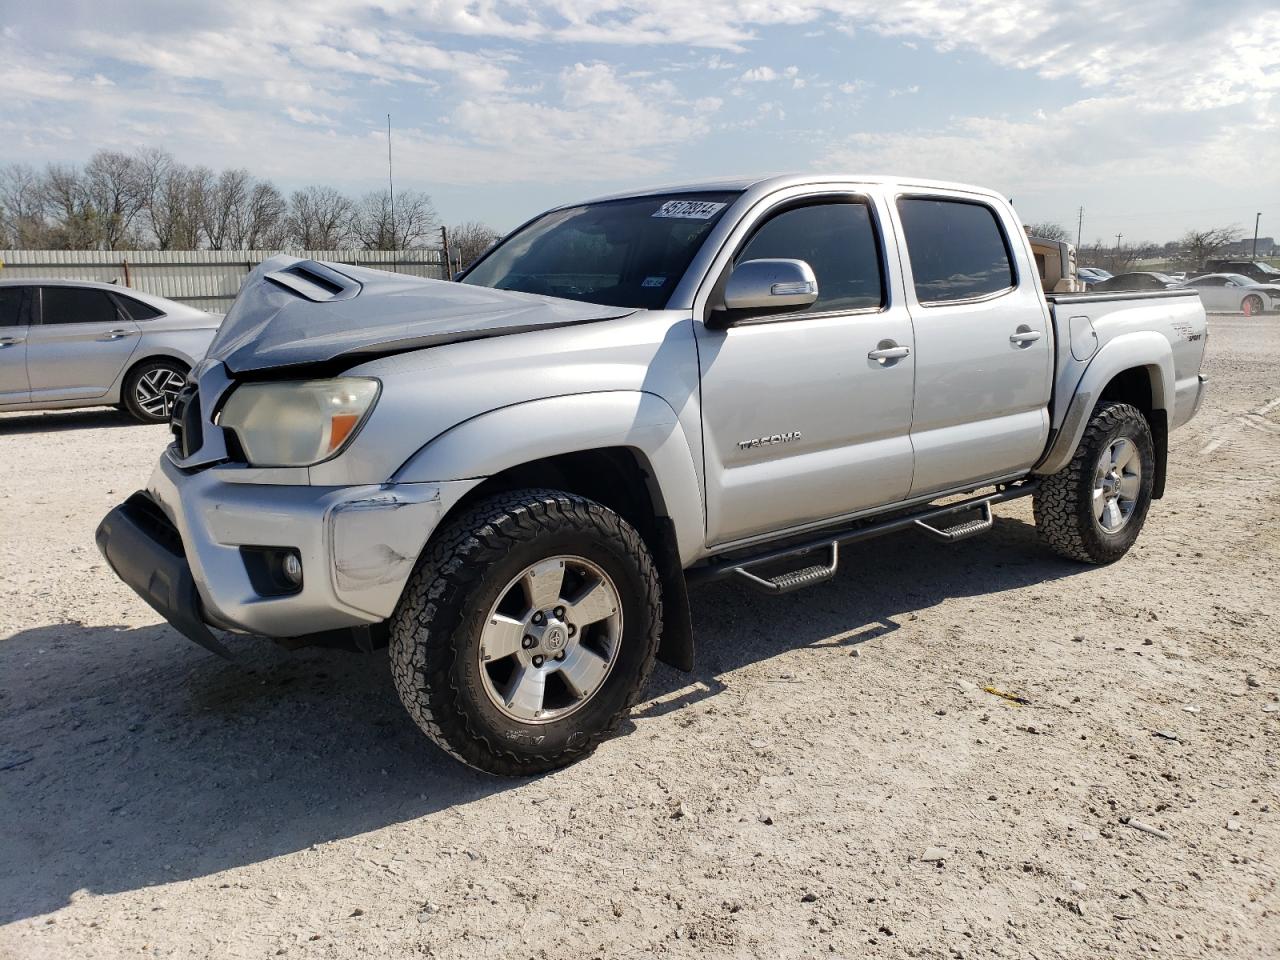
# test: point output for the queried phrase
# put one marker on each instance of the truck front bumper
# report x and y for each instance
(188, 545)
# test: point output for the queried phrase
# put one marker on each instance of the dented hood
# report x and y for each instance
(292, 312)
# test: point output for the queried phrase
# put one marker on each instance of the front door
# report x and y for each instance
(13, 345)
(984, 366)
(81, 344)
(806, 415)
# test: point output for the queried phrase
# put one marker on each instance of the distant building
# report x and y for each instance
(1243, 248)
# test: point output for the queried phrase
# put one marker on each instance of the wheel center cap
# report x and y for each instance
(555, 637)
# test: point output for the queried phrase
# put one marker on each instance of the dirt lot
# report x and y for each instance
(158, 801)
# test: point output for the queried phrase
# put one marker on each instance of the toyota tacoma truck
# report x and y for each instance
(512, 479)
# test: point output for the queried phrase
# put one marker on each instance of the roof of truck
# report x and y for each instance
(772, 182)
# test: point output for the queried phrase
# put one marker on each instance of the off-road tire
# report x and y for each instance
(435, 631)
(1063, 504)
(129, 389)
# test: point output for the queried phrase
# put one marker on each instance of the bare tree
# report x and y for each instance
(114, 187)
(378, 227)
(1201, 245)
(74, 221)
(319, 218)
(258, 221)
(22, 207)
(174, 199)
(1048, 231)
(471, 239)
(220, 206)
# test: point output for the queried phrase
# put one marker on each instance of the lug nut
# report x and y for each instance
(539, 617)
(559, 612)
(560, 655)
(527, 642)
(572, 629)
(539, 660)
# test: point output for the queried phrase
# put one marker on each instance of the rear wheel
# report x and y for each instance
(1093, 509)
(527, 631)
(151, 388)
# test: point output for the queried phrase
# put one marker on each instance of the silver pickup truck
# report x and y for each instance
(512, 479)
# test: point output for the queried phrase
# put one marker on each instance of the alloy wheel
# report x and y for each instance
(550, 639)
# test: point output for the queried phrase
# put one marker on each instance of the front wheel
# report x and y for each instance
(526, 632)
(1093, 509)
(1252, 305)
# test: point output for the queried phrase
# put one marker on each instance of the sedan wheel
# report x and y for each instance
(152, 388)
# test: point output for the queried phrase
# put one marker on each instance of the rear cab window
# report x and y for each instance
(958, 249)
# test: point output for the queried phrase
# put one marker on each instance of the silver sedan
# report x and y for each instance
(1235, 293)
(82, 344)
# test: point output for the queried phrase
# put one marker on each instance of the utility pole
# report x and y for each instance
(445, 255)
(1079, 227)
(391, 185)
(1256, 221)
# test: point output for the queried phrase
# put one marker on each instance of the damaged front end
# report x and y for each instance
(232, 532)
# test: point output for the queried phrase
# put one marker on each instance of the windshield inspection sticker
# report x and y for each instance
(653, 281)
(688, 210)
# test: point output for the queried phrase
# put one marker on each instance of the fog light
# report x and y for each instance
(292, 568)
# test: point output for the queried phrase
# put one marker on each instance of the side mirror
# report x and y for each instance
(765, 286)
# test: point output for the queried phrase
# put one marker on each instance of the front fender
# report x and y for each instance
(1144, 349)
(510, 436)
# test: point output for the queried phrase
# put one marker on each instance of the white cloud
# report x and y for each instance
(759, 75)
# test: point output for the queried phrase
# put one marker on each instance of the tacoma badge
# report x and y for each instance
(772, 439)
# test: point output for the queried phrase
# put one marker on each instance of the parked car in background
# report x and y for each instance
(70, 343)
(1143, 280)
(1232, 292)
(1092, 275)
(1255, 270)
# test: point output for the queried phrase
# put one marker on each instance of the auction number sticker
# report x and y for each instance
(688, 210)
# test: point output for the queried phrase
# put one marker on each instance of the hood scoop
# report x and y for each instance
(292, 312)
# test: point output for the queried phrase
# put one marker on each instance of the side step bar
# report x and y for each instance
(931, 520)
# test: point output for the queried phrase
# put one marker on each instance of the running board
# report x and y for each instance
(962, 531)
(794, 579)
(930, 520)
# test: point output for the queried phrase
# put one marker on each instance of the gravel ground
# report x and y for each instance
(832, 780)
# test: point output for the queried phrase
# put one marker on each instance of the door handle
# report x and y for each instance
(887, 350)
(1024, 335)
(11, 341)
(117, 334)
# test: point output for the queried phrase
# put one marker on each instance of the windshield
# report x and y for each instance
(622, 253)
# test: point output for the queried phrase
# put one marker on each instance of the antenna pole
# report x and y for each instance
(391, 185)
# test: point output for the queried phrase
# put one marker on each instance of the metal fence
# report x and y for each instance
(207, 279)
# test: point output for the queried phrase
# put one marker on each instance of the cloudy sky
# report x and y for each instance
(1155, 118)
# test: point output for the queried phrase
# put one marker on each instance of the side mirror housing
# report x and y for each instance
(765, 286)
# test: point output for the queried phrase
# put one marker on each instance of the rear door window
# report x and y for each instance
(958, 250)
(838, 240)
(77, 305)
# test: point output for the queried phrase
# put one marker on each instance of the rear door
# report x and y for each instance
(14, 327)
(801, 422)
(80, 344)
(983, 364)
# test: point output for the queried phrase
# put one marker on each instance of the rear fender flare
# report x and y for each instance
(1146, 350)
